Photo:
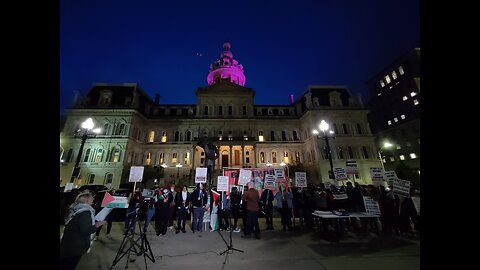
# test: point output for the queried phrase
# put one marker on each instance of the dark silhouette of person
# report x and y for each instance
(211, 154)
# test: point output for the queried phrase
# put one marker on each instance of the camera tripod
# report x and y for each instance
(130, 245)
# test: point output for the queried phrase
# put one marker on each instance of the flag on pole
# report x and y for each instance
(107, 199)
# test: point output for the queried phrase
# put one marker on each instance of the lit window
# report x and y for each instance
(186, 158)
(382, 83)
(389, 122)
(412, 94)
(405, 98)
(174, 158)
(413, 156)
(402, 157)
(399, 147)
(260, 136)
(392, 159)
(415, 102)
(394, 75)
(387, 79)
(151, 136)
(285, 157)
(402, 116)
(395, 119)
(149, 159)
(400, 70)
(379, 94)
(164, 136)
(418, 172)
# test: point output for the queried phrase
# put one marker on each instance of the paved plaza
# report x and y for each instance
(277, 249)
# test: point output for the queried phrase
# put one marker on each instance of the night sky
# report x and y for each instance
(166, 47)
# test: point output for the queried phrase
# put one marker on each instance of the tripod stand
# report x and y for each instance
(130, 245)
(229, 245)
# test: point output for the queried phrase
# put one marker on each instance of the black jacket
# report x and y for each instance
(76, 236)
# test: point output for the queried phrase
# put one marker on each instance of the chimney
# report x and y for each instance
(157, 98)
(292, 99)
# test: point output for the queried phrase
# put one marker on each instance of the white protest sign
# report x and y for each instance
(371, 206)
(377, 176)
(351, 166)
(102, 215)
(244, 177)
(269, 182)
(68, 187)
(340, 196)
(136, 174)
(301, 179)
(279, 173)
(200, 175)
(222, 183)
(401, 187)
(390, 176)
(416, 203)
(340, 174)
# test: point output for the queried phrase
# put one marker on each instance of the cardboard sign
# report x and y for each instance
(269, 182)
(222, 183)
(136, 174)
(377, 176)
(200, 175)
(340, 196)
(301, 179)
(68, 187)
(390, 176)
(351, 167)
(279, 173)
(401, 187)
(371, 206)
(245, 177)
(340, 174)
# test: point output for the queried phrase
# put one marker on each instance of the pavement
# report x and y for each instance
(297, 249)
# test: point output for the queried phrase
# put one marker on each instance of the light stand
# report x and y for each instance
(144, 246)
(229, 245)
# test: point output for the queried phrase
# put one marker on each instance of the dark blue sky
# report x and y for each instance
(284, 46)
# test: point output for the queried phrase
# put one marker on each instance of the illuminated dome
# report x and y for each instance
(226, 68)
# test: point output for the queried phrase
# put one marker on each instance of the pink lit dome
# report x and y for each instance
(226, 67)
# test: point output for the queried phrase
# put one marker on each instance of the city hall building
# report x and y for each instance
(139, 131)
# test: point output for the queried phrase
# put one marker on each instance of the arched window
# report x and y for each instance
(148, 160)
(262, 157)
(295, 136)
(297, 157)
(285, 156)
(340, 153)
(220, 110)
(99, 155)
(91, 178)
(188, 136)
(230, 110)
(205, 110)
(151, 136)
(345, 130)
(359, 129)
(164, 136)
(186, 158)
(108, 179)
(115, 157)
(174, 158)
(350, 152)
(365, 152)
(161, 160)
(177, 134)
(284, 136)
(274, 157)
(87, 154)
(69, 155)
(105, 128)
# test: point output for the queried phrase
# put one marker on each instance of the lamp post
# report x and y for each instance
(178, 169)
(87, 125)
(385, 145)
(326, 135)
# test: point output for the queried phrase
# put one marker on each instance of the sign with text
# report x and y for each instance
(351, 167)
(222, 183)
(136, 174)
(401, 187)
(244, 177)
(340, 174)
(68, 187)
(390, 176)
(200, 175)
(371, 206)
(269, 182)
(279, 173)
(301, 179)
(340, 196)
(377, 176)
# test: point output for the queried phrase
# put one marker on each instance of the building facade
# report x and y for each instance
(395, 112)
(139, 131)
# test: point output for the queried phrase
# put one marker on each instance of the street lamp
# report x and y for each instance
(178, 169)
(385, 145)
(87, 125)
(326, 135)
